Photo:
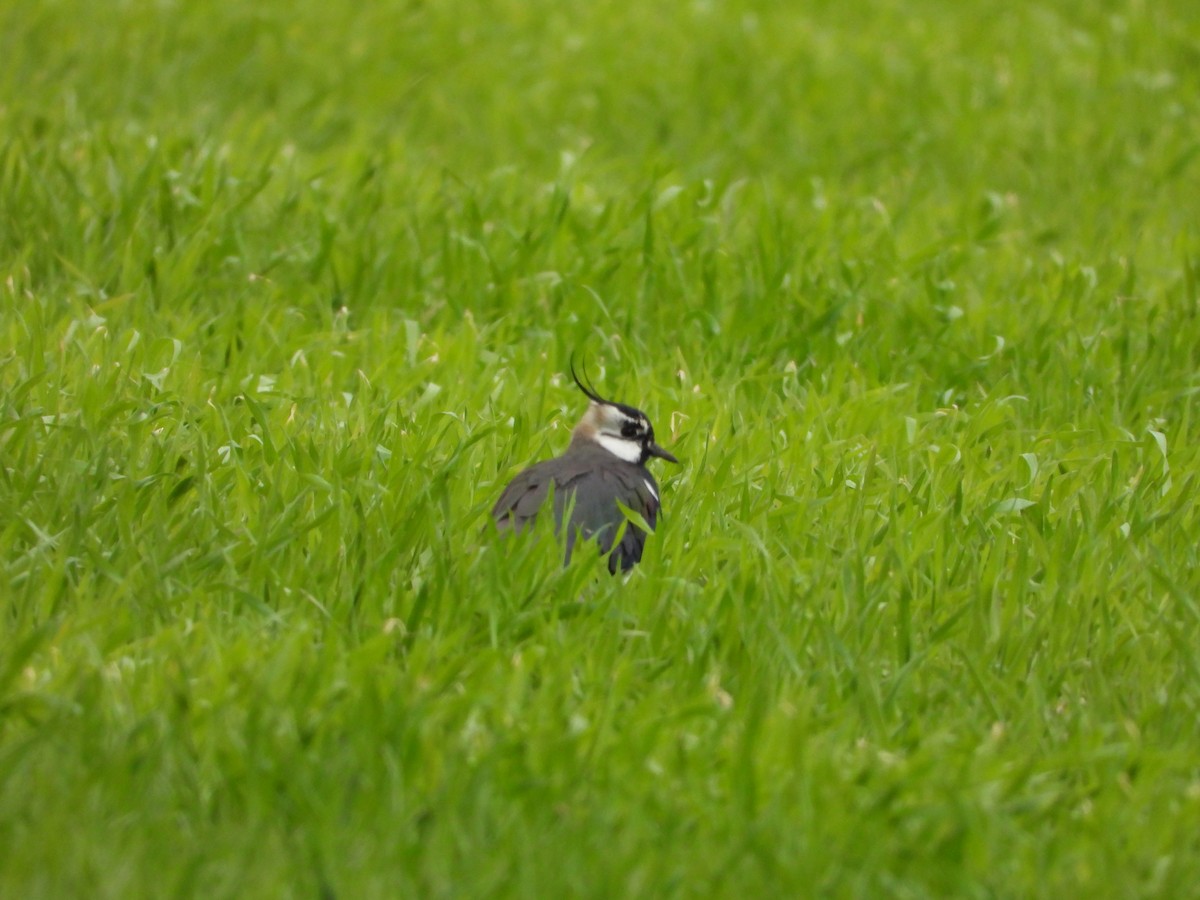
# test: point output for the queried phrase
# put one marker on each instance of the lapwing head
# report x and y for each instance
(622, 430)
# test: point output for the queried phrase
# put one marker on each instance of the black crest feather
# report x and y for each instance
(585, 385)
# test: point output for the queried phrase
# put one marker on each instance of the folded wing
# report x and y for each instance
(592, 493)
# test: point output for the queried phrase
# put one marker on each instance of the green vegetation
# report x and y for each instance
(287, 293)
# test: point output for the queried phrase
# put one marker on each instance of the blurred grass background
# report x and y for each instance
(287, 296)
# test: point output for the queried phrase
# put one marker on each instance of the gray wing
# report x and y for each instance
(524, 496)
(596, 514)
(592, 493)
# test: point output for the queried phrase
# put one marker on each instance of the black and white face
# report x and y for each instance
(623, 431)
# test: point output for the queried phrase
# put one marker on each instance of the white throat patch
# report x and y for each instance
(630, 451)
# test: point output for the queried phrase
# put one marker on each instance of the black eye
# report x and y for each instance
(630, 429)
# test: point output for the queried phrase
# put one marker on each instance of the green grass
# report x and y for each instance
(287, 294)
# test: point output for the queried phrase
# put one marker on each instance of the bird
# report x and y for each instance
(604, 465)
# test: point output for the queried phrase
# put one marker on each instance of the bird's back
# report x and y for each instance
(590, 480)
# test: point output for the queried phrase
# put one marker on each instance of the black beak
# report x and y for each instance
(658, 451)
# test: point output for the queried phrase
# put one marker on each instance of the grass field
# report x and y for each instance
(287, 294)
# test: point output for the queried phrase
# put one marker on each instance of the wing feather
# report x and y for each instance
(591, 485)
